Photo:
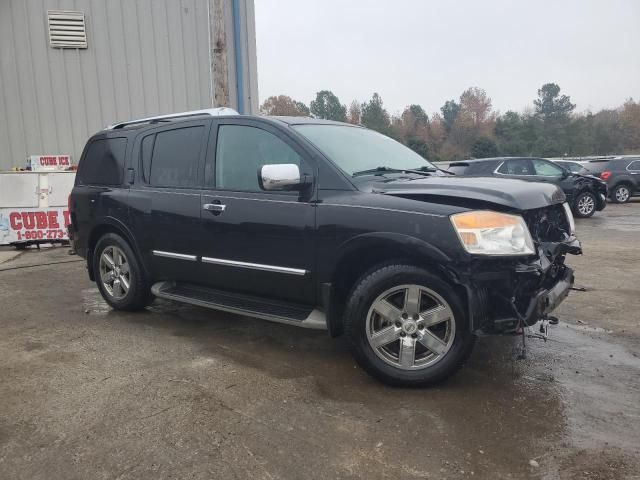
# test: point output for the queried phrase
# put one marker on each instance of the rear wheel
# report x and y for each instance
(621, 194)
(585, 205)
(119, 275)
(407, 327)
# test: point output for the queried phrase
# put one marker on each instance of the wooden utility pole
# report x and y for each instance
(218, 49)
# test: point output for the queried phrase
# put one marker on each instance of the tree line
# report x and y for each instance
(469, 127)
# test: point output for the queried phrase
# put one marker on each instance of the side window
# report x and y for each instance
(175, 157)
(634, 166)
(518, 166)
(103, 163)
(241, 151)
(546, 169)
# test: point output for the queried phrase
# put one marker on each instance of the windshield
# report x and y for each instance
(357, 150)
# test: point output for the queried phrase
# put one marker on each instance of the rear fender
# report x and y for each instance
(111, 224)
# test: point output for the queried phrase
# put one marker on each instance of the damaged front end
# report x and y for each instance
(506, 294)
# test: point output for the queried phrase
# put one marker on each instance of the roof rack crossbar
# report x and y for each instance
(213, 112)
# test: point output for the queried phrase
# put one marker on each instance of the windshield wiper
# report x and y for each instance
(382, 170)
(425, 169)
(377, 170)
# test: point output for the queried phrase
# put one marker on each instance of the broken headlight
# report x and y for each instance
(487, 232)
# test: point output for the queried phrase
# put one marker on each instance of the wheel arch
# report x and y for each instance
(363, 253)
(110, 225)
(626, 182)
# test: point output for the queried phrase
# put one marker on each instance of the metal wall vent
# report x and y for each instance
(67, 29)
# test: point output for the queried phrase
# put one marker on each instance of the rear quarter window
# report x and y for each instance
(634, 166)
(103, 162)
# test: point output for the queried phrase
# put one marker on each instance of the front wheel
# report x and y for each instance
(621, 194)
(585, 205)
(407, 327)
(119, 275)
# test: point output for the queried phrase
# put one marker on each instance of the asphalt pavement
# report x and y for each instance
(183, 392)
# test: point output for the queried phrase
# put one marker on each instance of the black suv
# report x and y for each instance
(623, 178)
(322, 225)
(586, 194)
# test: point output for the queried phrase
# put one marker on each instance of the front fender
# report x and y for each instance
(395, 242)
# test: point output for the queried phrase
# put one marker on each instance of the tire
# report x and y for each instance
(621, 193)
(418, 366)
(585, 205)
(126, 266)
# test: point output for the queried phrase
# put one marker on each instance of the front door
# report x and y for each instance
(253, 241)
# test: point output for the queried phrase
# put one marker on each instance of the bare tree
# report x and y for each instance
(355, 113)
(285, 106)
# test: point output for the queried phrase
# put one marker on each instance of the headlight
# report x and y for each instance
(569, 213)
(493, 233)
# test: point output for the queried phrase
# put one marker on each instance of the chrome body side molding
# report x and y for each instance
(254, 266)
(177, 256)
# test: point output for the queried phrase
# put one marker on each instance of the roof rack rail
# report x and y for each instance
(213, 112)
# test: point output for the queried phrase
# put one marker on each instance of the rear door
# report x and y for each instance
(165, 200)
(256, 242)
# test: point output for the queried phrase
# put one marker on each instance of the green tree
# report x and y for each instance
(413, 125)
(550, 105)
(374, 115)
(554, 111)
(630, 125)
(516, 133)
(607, 134)
(449, 111)
(328, 107)
(419, 146)
(484, 147)
(416, 115)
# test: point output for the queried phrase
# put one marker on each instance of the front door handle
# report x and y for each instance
(215, 208)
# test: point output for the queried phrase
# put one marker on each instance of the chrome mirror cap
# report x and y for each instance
(280, 176)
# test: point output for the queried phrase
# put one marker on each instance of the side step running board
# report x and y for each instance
(274, 311)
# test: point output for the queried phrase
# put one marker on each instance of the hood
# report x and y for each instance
(517, 194)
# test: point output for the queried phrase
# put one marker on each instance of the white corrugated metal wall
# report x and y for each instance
(144, 57)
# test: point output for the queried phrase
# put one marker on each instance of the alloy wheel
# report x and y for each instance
(622, 194)
(586, 204)
(410, 327)
(114, 272)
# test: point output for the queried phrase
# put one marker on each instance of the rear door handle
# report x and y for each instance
(216, 208)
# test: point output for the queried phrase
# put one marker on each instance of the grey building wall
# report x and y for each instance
(144, 58)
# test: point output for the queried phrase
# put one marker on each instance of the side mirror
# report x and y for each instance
(280, 177)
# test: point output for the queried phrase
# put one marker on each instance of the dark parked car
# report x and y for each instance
(623, 178)
(596, 166)
(573, 167)
(321, 225)
(585, 194)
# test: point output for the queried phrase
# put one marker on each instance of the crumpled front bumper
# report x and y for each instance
(546, 300)
(505, 295)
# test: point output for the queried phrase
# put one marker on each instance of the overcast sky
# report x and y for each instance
(425, 52)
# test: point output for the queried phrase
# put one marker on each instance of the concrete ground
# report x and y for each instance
(183, 392)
